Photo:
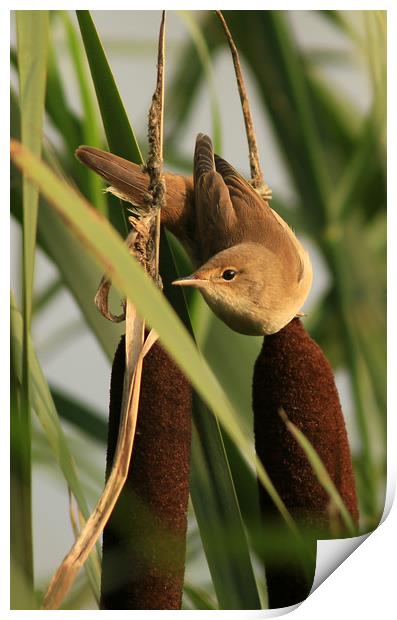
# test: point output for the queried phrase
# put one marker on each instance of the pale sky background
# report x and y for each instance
(80, 366)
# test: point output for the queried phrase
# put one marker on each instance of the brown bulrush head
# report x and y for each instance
(292, 373)
(144, 541)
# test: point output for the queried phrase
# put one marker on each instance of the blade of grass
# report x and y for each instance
(68, 126)
(323, 325)
(322, 474)
(61, 337)
(45, 410)
(79, 272)
(63, 119)
(233, 579)
(119, 134)
(80, 415)
(220, 349)
(337, 250)
(79, 598)
(279, 80)
(108, 250)
(375, 50)
(90, 127)
(338, 122)
(213, 492)
(295, 89)
(198, 596)
(361, 307)
(21, 591)
(43, 298)
(247, 492)
(362, 165)
(32, 42)
(186, 82)
(367, 307)
(205, 59)
(23, 598)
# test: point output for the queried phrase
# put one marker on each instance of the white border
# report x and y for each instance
(364, 586)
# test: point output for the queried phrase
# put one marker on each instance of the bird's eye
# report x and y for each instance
(229, 274)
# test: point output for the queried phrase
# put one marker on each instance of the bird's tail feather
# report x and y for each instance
(203, 156)
(224, 168)
(126, 177)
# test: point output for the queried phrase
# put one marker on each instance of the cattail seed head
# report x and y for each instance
(292, 373)
(144, 541)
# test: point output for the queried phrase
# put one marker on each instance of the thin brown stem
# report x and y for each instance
(156, 191)
(256, 171)
(102, 301)
(154, 164)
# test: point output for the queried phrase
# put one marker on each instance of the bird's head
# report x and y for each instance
(246, 286)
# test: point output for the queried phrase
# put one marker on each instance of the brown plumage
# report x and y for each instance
(229, 211)
(145, 538)
(292, 373)
(128, 182)
(225, 226)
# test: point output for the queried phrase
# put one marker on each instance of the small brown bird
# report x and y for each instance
(254, 273)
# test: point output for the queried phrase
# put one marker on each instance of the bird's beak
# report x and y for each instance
(194, 280)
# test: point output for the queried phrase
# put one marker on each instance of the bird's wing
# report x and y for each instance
(215, 215)
(257, 221)
(240, 190)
